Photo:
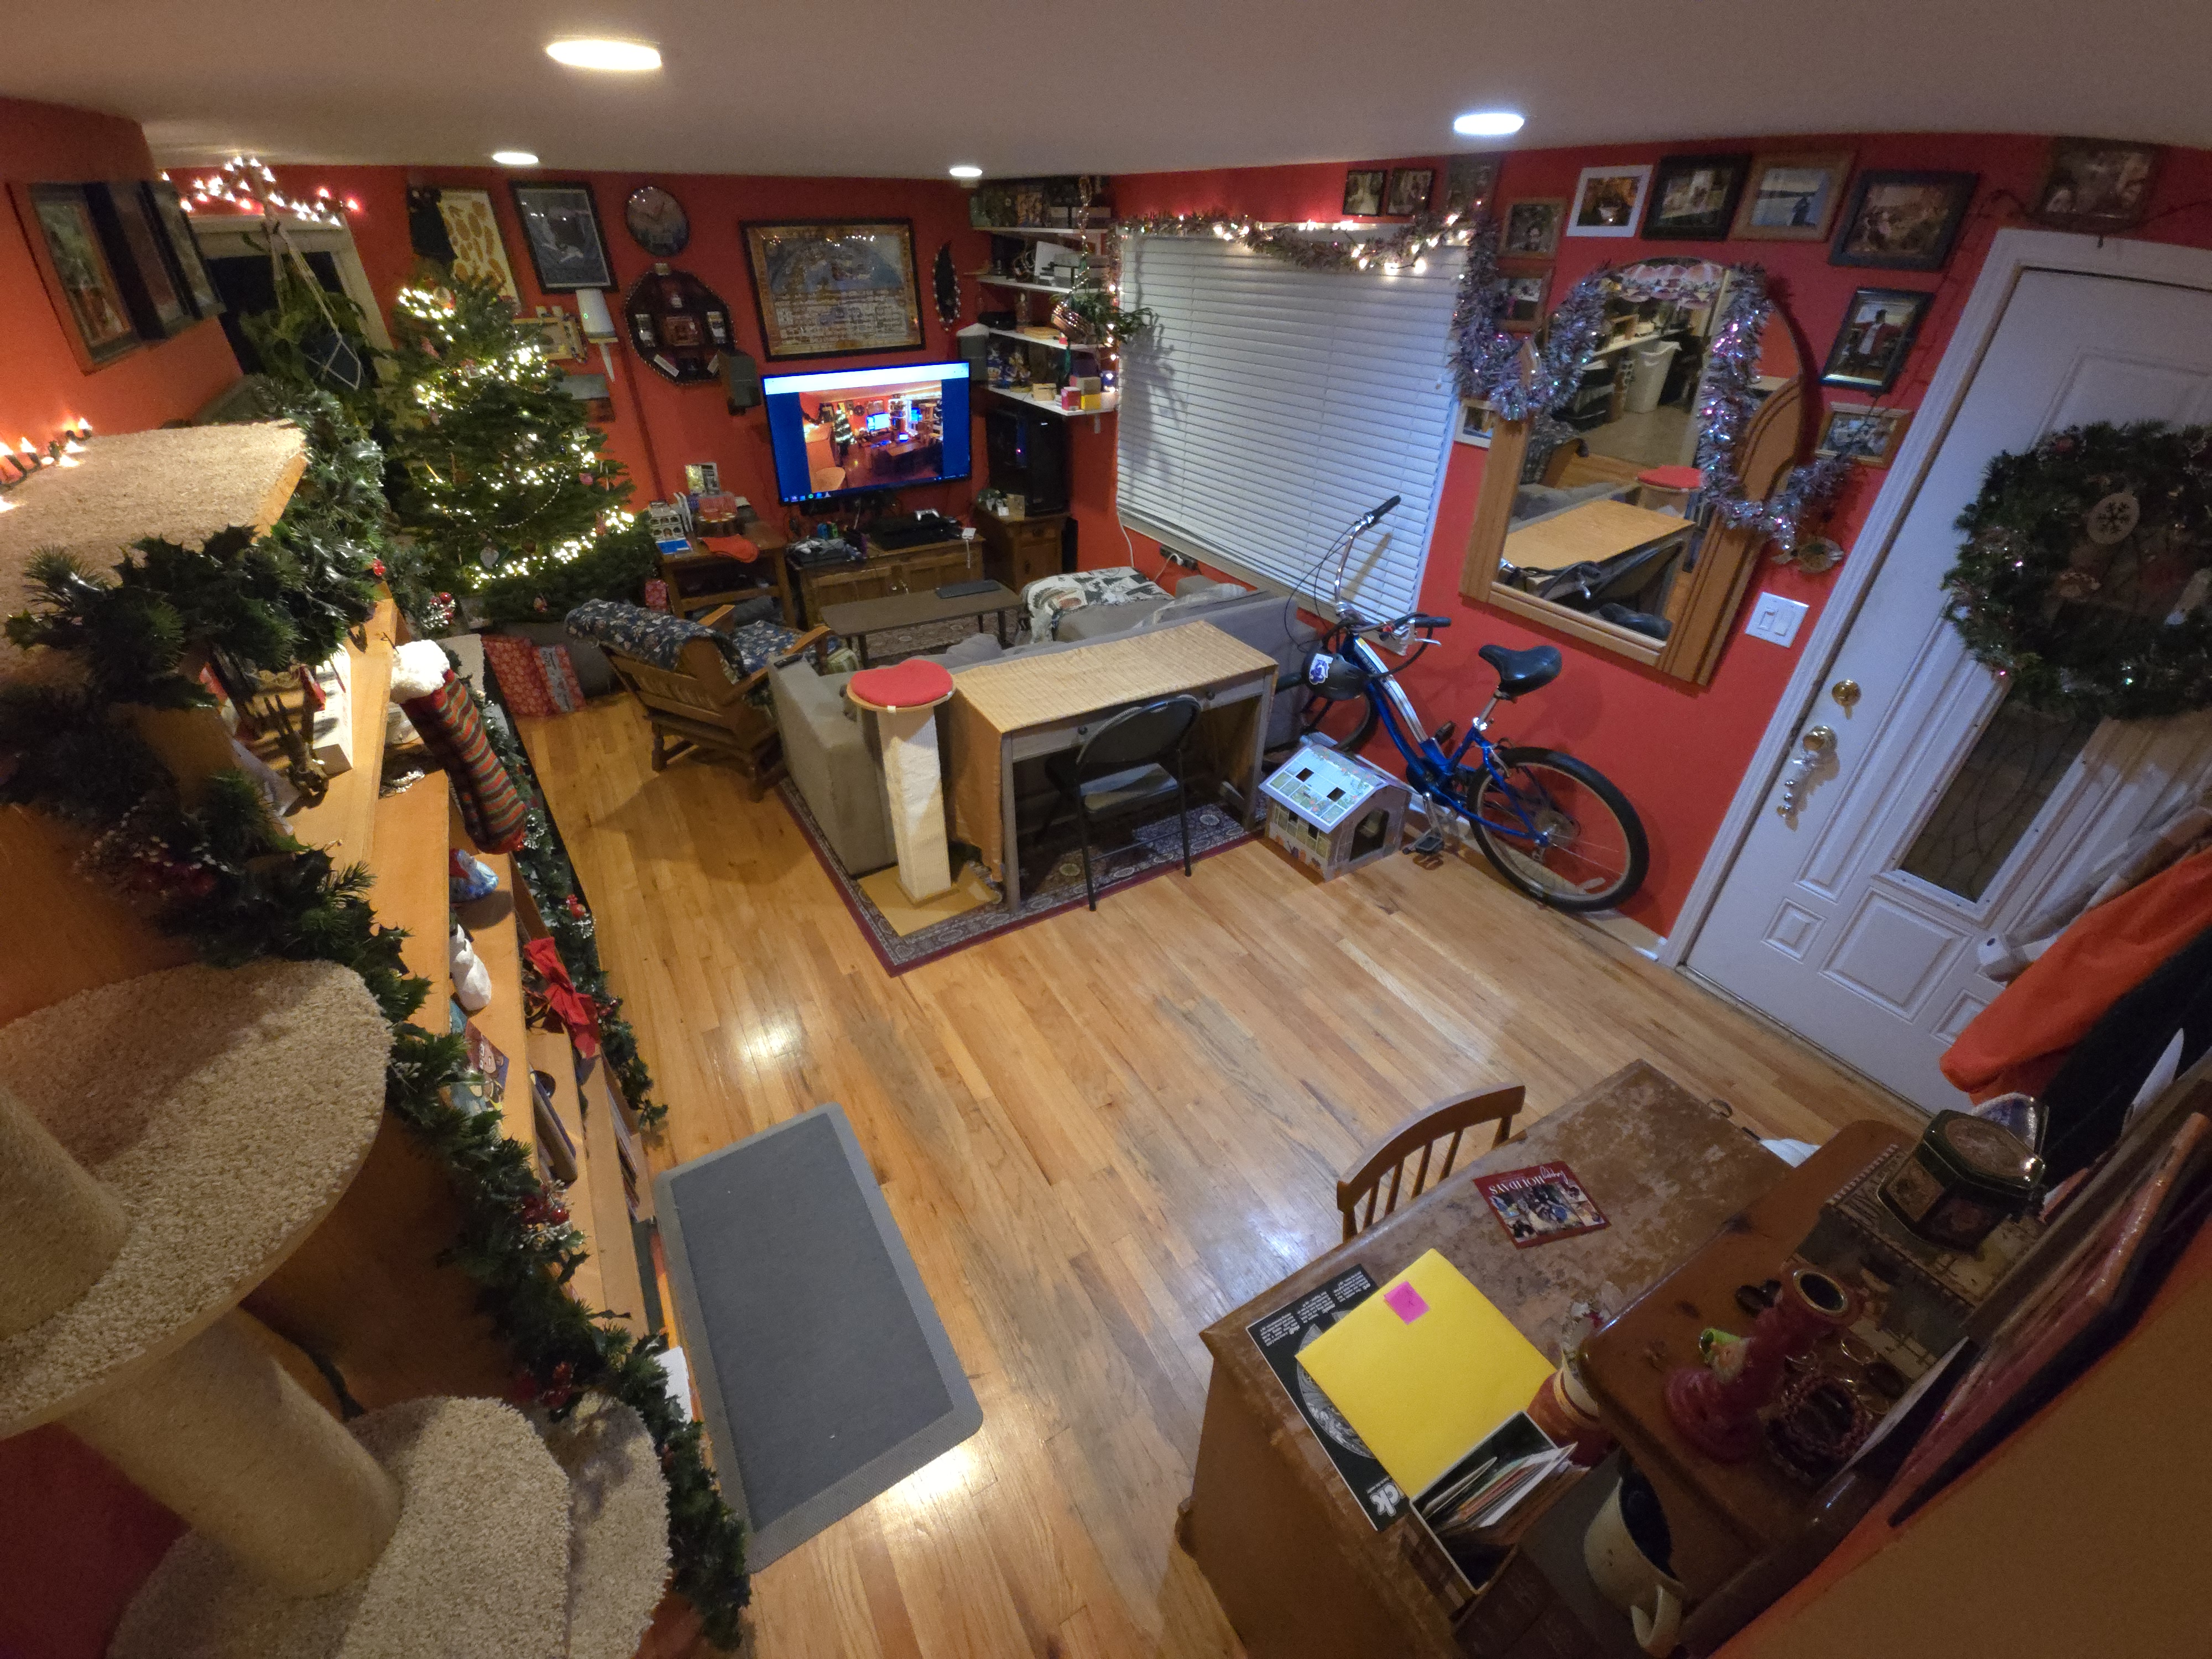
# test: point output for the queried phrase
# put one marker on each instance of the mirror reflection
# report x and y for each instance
(1603, 520)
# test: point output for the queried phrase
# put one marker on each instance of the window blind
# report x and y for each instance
(1271, 406)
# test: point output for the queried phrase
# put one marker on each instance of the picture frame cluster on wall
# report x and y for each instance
(119, 262)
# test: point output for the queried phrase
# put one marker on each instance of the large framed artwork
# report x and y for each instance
(561, 228)
(78, 277)
(1608, 201)
(136, 250)
(833, 288)
(472, 228)
(191, 271)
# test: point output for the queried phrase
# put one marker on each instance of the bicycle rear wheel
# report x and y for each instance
(1557, 829)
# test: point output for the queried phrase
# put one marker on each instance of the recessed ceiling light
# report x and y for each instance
(964, 171)
(515, 158)
(1488, 124)
(631, 55)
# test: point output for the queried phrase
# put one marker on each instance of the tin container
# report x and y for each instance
(1966, 1175)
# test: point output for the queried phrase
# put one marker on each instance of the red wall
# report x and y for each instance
(41, 387)
(1678, 750)
(684, 423)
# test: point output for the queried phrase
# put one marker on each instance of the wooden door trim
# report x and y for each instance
(2013, 253)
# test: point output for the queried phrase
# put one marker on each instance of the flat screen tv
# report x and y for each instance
(852, 431)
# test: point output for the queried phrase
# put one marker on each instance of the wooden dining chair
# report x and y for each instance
(1420, 1134)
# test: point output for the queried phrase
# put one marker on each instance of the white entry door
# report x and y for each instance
(1945, 811)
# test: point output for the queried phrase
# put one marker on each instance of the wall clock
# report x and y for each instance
(678, 325)
(657, 221)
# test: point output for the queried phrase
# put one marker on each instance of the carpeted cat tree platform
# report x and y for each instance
(164, 1143)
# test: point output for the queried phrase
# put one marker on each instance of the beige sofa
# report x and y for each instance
(831, 751)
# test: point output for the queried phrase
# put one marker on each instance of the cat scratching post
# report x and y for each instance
(904, 701)
(164, 1144)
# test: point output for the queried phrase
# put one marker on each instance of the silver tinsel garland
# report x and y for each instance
(1313, 245)
(1725, 405)
(1486, 360)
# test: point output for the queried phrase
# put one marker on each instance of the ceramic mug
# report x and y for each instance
(1628, 1578)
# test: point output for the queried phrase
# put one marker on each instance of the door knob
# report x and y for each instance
(1845, 692)
(1819, 740)
(1819, 743)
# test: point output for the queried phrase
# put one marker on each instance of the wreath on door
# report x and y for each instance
(2086, 577)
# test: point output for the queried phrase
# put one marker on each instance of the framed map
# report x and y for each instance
(833, 288)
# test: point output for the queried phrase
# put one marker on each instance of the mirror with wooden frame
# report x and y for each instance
(1587, 532)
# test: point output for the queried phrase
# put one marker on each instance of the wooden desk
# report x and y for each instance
(1595, 531)
(1296, 1566)
(1003, 712)
(1720, 1514)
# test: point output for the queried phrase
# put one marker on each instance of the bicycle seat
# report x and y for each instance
(1520, 672)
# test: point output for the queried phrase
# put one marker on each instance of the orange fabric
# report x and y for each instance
(2019, 1040)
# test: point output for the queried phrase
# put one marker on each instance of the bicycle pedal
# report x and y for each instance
(1428, 845)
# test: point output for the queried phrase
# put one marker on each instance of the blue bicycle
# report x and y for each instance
(1554, 826)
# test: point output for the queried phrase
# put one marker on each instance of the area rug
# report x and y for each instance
(1158, 849)
(824, 1372)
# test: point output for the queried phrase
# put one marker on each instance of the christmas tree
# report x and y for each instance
(504, 477)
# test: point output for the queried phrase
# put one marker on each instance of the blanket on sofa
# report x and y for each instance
(1050, 597)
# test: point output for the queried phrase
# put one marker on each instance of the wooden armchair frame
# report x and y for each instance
(699, 706)
(1420, 1134)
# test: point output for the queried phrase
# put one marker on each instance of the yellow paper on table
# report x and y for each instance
(1425, 1368)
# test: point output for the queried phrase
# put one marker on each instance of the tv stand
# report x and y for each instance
(884, 572)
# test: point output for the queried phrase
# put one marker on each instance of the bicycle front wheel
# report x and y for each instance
(1557, 829)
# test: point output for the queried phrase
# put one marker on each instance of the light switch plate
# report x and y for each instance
(1775, 619)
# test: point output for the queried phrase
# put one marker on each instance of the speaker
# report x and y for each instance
(741, 381)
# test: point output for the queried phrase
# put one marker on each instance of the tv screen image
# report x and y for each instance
(849, 430)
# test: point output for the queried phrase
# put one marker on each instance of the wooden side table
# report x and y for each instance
(881, 574)
(1018, 551)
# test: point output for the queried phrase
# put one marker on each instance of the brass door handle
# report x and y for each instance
(1845, 692)
(1819, 741)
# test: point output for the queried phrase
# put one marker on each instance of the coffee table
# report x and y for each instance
(859, 618)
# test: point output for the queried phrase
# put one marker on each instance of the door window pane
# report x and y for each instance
(1992, 798)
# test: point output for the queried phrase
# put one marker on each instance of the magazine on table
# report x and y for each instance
(1279, 1336)
(1540, 1204)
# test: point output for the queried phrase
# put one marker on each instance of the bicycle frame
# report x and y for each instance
(1429, 769)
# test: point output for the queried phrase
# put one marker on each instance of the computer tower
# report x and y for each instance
(1027, 456)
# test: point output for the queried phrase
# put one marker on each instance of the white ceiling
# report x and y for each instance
(899, 88)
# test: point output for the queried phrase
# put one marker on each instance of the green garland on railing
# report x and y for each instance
(227, 876)
(542, 862)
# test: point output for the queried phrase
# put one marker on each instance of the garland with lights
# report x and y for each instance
(228, 877)
(504, 472)
(246, 184)
(2086, 570)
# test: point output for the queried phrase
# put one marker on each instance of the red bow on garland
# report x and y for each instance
(575, 1010)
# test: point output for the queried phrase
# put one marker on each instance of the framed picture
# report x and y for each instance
(1470, 183)
(192, 272)
(1902, 220)
(832, 287)
(1608, 201)
(1865, 433)
(1877, 333)
(1474, 423)
(2095, 186)
(1363, 192)
(1792, 197)
(1532, 228)
(78, 278)
(1409, 192)
(138, 251)
(657, 221)
(1526, 292)
(561, 228)
(472, 228)
(1693, 198)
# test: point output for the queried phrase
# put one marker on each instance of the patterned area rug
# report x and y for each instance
(1158, 850)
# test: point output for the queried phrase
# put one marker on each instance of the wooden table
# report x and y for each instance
(1004, 712)
(1296, 1566)
(1720, 1514)
(1595, 531)
(859, 618)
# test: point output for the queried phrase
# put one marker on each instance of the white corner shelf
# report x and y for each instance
(997, 281)
(1085, 231)
(1055, 342)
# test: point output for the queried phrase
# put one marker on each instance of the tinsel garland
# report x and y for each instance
(1488, 362)
(2086, 576)
(1725, 405)
(1313, 245)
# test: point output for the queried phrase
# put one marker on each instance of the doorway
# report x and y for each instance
(1938, 812)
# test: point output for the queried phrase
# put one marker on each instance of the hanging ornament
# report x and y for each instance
(2114, 519)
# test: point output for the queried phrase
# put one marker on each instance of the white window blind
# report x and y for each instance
(1273, 406)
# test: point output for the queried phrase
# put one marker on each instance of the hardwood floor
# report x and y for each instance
(1098, 1135)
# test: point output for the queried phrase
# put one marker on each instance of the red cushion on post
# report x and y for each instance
(1672, 478)
(909, 684)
